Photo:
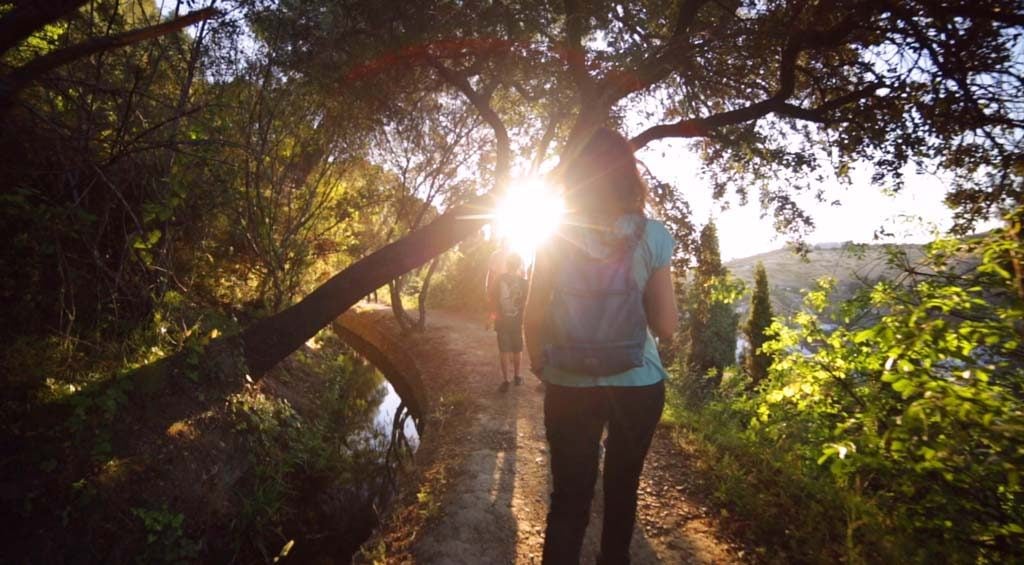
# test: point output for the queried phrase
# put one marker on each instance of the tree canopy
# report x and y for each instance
(775, 96)
(780, 93)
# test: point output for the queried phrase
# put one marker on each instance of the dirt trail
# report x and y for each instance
(492, 505)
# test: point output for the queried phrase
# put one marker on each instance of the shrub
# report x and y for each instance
(906, 416)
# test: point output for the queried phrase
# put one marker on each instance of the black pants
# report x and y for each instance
(574, 419)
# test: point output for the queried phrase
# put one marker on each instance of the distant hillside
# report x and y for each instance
(789, 274)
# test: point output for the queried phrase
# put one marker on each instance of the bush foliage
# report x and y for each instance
(902, 407)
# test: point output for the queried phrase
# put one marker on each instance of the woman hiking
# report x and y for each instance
(598, 292)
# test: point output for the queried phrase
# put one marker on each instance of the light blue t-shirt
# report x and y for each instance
(653, 252)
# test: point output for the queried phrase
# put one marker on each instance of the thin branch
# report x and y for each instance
(821, 114)
(967, 10)
(797, 43)
(657, 67)
(628, 23)
(554, 119)
(503, 144)
(126, 145)
(19, 78)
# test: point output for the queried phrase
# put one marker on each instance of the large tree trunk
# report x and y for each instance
(271, 339)
(177, 387)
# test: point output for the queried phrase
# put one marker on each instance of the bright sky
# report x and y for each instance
(915, 215)
(865, 208)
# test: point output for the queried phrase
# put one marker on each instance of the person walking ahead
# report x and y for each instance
(511, 296)
(597, 293)
(495, 268)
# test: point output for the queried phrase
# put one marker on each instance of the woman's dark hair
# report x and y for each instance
(603, 177)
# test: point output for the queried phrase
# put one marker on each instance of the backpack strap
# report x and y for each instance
(572, 241)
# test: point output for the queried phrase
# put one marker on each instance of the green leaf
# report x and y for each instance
(864, 335)
(903, 386)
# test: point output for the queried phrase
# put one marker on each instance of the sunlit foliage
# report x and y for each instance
(910, 399)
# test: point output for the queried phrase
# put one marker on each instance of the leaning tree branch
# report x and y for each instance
(29, 17)
(19, 78)
(822, 114)
(702, 127)
(269, 340)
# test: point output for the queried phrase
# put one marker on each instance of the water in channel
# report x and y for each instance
(381, 438)
(384, 420)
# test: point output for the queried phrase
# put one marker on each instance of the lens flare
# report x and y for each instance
(527, 216)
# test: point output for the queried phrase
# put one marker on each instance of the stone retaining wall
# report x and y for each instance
(362, 331)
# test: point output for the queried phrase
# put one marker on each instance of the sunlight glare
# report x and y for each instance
(527, 216)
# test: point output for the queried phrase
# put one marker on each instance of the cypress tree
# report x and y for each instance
(712, 332)
(757, 362)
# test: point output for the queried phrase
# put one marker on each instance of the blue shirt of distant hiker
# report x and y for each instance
(652, 252)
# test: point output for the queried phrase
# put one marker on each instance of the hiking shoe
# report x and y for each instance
(503, 387)
(518, 380)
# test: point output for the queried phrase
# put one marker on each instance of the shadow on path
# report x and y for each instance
(494, 505)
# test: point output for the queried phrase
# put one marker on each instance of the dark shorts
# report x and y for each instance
(510, 335)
